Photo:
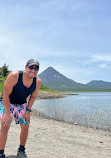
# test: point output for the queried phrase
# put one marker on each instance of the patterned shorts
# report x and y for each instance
(16, 111)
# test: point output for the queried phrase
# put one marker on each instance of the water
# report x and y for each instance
(91, 109)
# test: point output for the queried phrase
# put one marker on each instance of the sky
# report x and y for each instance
(72, 36)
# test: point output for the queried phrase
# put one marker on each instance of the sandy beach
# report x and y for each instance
(53, 139)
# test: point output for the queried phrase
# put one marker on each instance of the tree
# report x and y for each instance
(4, 70)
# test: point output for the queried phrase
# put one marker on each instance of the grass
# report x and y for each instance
(2, 80)
(1, 88)
(45, 88)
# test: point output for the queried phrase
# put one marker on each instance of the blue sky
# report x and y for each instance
(72, 36)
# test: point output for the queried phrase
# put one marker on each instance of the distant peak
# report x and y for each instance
(50, 67)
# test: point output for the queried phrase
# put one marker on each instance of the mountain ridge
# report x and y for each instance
(99, 83)
(56, 81)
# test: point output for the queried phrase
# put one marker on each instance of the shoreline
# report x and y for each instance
(52, 95)
(44, 116)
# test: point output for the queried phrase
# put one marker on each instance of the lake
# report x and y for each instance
(88, 109)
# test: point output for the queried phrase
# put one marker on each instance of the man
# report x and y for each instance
(17, 87)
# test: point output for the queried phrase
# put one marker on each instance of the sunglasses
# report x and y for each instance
(35, 68)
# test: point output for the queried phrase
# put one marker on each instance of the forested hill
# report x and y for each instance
(99, 84)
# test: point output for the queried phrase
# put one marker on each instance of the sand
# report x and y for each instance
(53, 139)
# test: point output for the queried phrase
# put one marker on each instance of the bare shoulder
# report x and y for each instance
(38, 80)
(10, 82)
(13, 76)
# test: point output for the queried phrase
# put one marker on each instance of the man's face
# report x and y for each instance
(32, 71)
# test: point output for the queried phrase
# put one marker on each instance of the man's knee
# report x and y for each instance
(5, 128)
(24, 128)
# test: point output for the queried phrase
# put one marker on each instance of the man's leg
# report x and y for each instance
(3, 130)
(24, 131)
(23, 139)
(24, 134)
(3, 135)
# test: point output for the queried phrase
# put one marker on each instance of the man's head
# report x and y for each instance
(32, 67)
(32, 62)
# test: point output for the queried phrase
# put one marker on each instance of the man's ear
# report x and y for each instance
(25, 67)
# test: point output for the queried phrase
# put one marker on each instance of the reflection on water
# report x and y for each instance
(92, 109)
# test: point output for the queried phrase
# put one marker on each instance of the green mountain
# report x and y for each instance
(58, 82)
(99, 84)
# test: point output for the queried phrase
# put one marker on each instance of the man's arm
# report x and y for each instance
(8, 87)
(34, 94)
(32, 99)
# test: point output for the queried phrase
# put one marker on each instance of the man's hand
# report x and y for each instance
(6, 119)
(27, 116)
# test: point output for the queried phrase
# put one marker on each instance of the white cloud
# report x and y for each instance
(96, 57)
(103, 65)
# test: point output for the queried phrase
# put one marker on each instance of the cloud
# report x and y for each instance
(103, 65)
(106, 58)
